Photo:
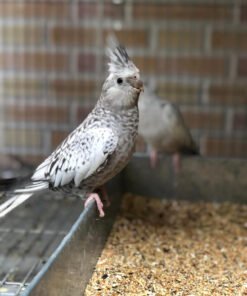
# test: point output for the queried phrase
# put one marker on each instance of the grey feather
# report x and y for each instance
(119, 59)
(162, 126)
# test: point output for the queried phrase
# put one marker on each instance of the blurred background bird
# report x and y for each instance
(163, 128)
(99, 147)
(161, 124)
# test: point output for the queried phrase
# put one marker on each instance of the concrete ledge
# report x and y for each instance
(201, 178)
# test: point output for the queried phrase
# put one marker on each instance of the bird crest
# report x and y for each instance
(119, 63)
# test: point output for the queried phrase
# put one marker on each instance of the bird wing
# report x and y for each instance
(79, 156)
(180, 135)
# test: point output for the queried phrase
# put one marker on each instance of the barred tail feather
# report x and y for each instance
(35, 186)
(13, 203)
(21, 195)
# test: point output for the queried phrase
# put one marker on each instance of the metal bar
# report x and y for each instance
(26, 278)
(26, 242)
(28, 237)
(6, 277)
(69, 268)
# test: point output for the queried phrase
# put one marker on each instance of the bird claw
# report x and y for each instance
(104, 196)
(95, 197)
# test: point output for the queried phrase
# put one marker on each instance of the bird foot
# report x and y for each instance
(95, 197)
(105, 197)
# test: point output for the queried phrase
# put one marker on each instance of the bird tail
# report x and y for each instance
(9, 184)
(13, 203)
(20, 196)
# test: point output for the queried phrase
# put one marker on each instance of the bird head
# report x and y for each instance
(123, 85)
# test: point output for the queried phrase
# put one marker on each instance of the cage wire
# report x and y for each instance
(52, 65)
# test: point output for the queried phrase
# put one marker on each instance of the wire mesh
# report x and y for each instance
(30, 235)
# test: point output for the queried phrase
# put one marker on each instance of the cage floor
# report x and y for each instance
(29, 235)
(161, 247)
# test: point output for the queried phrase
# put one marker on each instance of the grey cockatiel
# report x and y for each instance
(163, 128)
(97, 149)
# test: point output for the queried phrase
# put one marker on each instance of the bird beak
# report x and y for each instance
(136, 83)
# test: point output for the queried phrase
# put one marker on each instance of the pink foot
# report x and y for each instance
(95, 197)
(105, 196)
(176, 162)
(153, 158)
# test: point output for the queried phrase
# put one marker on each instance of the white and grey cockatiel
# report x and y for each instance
(99, 147)
(162, 127)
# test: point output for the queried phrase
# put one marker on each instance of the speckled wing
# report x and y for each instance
(79, 156)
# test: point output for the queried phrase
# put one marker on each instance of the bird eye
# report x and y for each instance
(119, 80)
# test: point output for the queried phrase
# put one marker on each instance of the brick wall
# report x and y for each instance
(52, 65)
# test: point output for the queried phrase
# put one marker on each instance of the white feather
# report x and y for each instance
(96, 155)
(67, 178)
(33, 187)
(21, 195)
(77, 158)
(39, 173)
(12, 203)
(7, 203)
(58, 178)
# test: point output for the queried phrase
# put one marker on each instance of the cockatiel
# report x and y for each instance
(99, 147)
(163, 128)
